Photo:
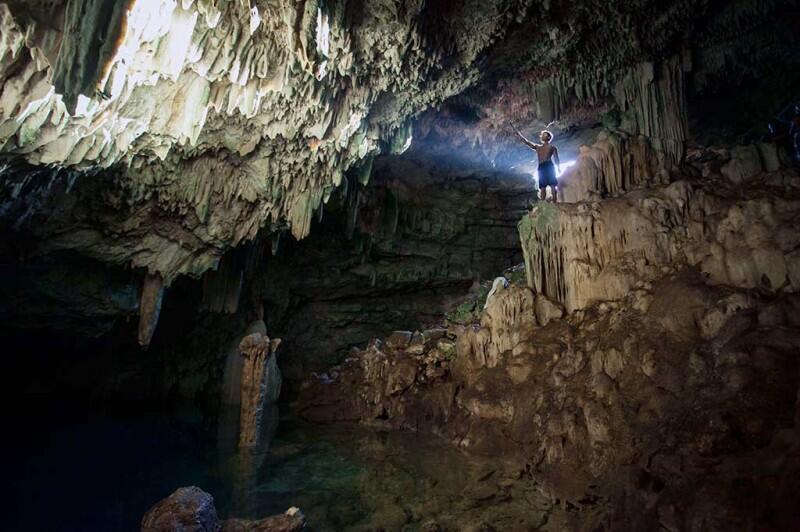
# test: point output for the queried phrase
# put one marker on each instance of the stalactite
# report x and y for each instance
(649, 144)
(150, 307)
(94, 31)
(222, 287)
(275, 241)
(654, 96)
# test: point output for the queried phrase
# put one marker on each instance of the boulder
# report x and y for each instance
(188, 509)
(745, 163)
(547, 310)
(399, 340)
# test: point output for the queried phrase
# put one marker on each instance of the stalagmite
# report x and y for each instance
(261, 383)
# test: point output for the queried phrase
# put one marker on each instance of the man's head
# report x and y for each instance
(545, 136)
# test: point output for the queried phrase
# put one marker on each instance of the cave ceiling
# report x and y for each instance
(161, 133)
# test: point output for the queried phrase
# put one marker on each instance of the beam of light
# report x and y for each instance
(323, 42)
(147, 20)
(86, 106)
(255, 19)
(564, 166)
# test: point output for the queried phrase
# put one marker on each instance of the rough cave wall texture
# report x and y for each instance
(390, 255)
(219, 121)
(143, 147)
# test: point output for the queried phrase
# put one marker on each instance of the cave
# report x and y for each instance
(281, 266)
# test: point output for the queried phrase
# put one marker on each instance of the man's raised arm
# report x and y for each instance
(528, 143)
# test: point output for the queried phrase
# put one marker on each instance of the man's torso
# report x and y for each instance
(545, 152)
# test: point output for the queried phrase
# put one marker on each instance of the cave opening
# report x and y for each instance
(284, 265)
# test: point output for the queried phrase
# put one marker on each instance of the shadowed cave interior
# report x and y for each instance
(278, 266)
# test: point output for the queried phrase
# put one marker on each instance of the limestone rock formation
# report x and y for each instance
(191, 509)
(261, 93)
(336, 170)
(390, 255)
(652, 355)
(593, 407)
(260, 384)
(150, 307)
(599, 250)
(256, 95)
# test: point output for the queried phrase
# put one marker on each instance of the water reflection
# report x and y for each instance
(350, 478)
(103, 471)
(245, 463)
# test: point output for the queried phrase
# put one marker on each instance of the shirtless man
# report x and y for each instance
(547, 172)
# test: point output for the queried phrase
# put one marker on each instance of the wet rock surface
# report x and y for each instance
(187, 509)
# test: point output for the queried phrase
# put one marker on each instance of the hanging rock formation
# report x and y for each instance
(257, 97)
(271, 104)
(150, 308)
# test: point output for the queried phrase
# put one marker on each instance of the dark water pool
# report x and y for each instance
(71, 471)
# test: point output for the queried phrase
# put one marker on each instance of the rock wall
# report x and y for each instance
(399, 251)
(598, 250)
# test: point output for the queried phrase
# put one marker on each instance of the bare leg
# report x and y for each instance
(543, 193)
